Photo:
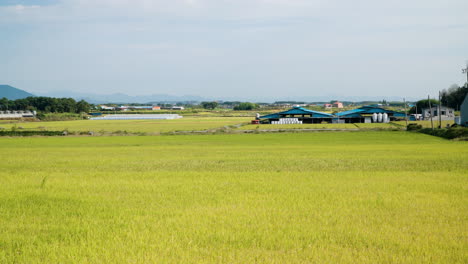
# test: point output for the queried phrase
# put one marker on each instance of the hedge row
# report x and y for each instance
(31, 133)
(448, 133)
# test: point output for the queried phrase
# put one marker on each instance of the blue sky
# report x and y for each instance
(234, 48)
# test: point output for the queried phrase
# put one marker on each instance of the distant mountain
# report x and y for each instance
(120, 98)
(12, 93)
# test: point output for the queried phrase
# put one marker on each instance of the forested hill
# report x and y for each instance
(13, 93)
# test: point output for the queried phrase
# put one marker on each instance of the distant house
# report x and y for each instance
(446, 113)
(172, 108)
(105, 107)
(464, 112)
(333, 105)
(338, 104)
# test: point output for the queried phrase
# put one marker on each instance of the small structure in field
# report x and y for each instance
(17, 114)
(106, 108)
(446, 113)
(296, 115)
(338, 104)
(174, 107)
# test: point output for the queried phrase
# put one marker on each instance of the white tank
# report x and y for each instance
(379, 117)
(374, 117)
(385, 118)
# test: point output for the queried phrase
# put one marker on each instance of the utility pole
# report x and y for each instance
(406, 115)
(430, 111)
(439, 112)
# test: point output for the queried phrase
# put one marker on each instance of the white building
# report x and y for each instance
(16, 114)
(446, 113)
(105, 107)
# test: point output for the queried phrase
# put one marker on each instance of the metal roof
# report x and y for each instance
(298, 111)
(368, 110)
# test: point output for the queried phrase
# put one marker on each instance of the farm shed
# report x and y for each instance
(15, 114)
(368, 114)
(446, 113)
(464, 112)
(296, 115)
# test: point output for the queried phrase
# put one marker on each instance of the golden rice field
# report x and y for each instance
(325, 197)
(132, 126)
(427, 123)
(347, 126)
(360, 126)
(298, 126)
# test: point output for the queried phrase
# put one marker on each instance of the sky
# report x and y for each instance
(234, 48)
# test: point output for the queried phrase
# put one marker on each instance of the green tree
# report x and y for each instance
(45, 104)
(246, 106)
(209, 105)
(454, 96)
(82, 106)
(4, 103)
(421, 104)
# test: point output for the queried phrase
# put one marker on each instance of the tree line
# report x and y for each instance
(453, 97)
(46, 105)
(238, 106)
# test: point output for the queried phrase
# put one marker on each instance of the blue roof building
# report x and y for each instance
(360, 115)
(306, 116)
(299, 115)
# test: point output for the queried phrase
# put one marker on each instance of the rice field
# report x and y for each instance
(390, 125)
(328, 197)
(131, 126)
(427, 123)
(298, 126)
(362, 126)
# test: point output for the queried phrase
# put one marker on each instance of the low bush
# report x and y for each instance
(59, 116)
(16, 133)
(413, 127)
(448, 133)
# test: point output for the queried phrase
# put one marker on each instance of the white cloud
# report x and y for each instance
(20, 8)
(264, 41)
(365, 13)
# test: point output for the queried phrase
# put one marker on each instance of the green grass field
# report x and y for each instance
(328, 197)
(132, 126)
